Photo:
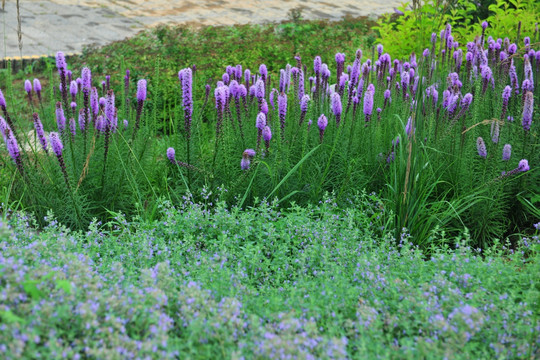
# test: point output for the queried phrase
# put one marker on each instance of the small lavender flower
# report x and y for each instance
(523, 165)
(126, 124)
(247, 155)
(37, 88)
(481, 147)
(322, 123)
(507, 152)
(13, 149)
(171, 155)
(60, 118)
(528, 107)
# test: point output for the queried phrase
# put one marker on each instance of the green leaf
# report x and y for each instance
(10, 318)
(64, 285)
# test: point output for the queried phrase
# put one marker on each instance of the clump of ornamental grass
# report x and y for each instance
(428, 133)
(85, 159)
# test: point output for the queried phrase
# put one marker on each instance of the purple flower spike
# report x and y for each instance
(304, 103)
(409, 127)
(82, 120)
(245, 163)
(260, 123)
(60, 61)
(368, 104)
(523, 165)
(171, 155)
(13, 148)
(73, 88)
(259, 89)
(481, 147)
(37, 88)
(28, 86)
(56, 144)
(425, 53)
(336, 107)
(250, 153)
(72, 127)
(322, 123)
(528, 107)
(263, 71)
(39, 131)
(141, 90)
(2, 100)
(187, 98)
(267, 134)
(282, 110)
(264, 107)
(484, 25)
(317, 64)
(60, 118)
(507, 152)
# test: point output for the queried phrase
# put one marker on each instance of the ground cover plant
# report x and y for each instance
(311, 282)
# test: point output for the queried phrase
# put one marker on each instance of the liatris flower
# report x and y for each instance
(267, 136)
(37, 88)
(94, 102)
(409, 130)
(141, 97)
(62, 71)
(303, 108)
(340, 61)
(100, 124)
(425, 53)
(282, 110)
(486, 77)
(379, 50)
(513, 77)
(60, 62)
(507, 152)
(484, 25)
(60, 118)
(79, 84)
(13, 149)
(528, 107)
(86, 75)
(368, 104)
(259, 92)
(72, 127)
(264, 73)
(28, 89)
(171, 155)
(336, 107)
(73, 90)
(507, 92)
(82, 119)
(57, 148)
(301, 90)
(39, 131)
(102, 103)
(523, 165)
(260, 123)
(110, 110)
(481, 147)
(220, 107)
(187, 98)
(264, 107)
(317, 65)
(495, 131)
(322, 123)
(247, 155)
(73, 106)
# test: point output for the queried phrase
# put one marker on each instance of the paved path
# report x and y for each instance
(68, 25)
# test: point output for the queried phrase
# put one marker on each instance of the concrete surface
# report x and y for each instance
(52, 25)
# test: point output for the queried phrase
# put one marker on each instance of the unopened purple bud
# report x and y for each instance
(141, 90)
(484, 25)
(426, 52)
(523, 165)
(260, 123)
(171, 155)
(507, 152)
(225, 77)
(527, 41)
(512, 49)
(528, 107)
(336, 104)
(481, 147)
(249, 153)
(387, 94)
(56, 144)
(379, 49)
(28, 86)
(466, 101)
(73, 105)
